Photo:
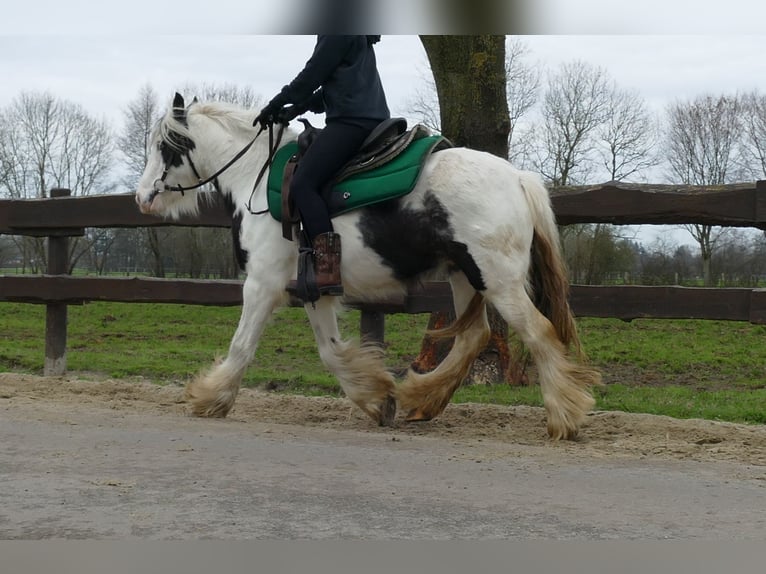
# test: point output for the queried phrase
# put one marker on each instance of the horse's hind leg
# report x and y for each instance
(359, 368)
(565, 385)
(425, 395)
(213, 392)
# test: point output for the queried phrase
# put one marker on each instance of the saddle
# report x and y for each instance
(386, 166)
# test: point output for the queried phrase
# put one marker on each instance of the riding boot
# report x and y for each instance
(318, 268)
(327, 263)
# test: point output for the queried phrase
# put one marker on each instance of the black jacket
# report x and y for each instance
(341, 79)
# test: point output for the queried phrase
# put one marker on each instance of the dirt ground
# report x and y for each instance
(613, 434)
(115, 459)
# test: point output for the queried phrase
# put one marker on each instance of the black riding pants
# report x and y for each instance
(330, 151)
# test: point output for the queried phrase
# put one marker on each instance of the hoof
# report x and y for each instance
(207, 404)
(387, 412)
(417, 416)
(563, 434)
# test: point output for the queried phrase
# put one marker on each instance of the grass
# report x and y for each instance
(705, 369)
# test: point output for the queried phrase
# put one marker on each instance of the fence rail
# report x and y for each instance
(626, 302)
(736, 205)
(733, 205)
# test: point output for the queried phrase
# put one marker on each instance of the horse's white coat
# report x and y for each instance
(493, 209)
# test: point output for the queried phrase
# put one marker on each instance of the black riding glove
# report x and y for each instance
(288, 114)
(268, 115)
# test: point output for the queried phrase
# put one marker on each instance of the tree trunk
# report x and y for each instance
(707, 276)
(158, 267)
(469, 73)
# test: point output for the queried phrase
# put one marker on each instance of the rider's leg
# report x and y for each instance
(332, 149)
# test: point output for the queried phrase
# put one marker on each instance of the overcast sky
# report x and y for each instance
(100, 54)
(103, 73)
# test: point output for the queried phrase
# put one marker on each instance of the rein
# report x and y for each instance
(273, 146)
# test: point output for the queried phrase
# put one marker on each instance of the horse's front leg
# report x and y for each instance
(213, 392)
(359, 368)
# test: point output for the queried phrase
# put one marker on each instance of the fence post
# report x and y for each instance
(56, 313)
(760, 201)
(372, 326)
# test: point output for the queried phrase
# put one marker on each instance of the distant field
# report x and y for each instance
(706, 369)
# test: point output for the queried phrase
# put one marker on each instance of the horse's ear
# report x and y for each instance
(195, 100)
(179, 112)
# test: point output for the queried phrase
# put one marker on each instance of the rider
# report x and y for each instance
(340, 79)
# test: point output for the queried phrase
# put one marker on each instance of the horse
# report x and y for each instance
(472, 218)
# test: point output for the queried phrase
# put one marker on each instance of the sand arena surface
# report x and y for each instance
(114, 459)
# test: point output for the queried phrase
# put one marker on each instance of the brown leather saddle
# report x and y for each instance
(389, 139)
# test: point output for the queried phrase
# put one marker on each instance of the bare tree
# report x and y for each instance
(47, 143)
(140, 117)
(754, 134)
(625, 142)
(575, 104)
(522, 87)
(596, 253)
(206, 92)
(7, 250)
(590, 126)
(99, 248)
(628, 137)
(733, 263)
(424, 104)
(659, 262)
(702, 140)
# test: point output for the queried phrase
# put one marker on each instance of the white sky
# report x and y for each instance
(100, 54)
(103, 73)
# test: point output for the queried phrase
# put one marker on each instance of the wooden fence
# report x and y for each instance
(61, 216)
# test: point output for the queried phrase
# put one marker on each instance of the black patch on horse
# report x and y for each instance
(240, 254)
(173, 147)
(412, 242)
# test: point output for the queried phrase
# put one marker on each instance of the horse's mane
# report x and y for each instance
(229, 115)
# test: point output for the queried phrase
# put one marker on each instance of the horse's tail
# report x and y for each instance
(548, 281)
(470, 315)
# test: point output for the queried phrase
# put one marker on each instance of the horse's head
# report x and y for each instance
(169, 165)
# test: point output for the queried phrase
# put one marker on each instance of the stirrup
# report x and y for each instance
(306, 285)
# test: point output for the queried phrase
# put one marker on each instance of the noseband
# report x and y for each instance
(181, 188)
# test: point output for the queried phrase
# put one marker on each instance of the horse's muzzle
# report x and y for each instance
(145, 206)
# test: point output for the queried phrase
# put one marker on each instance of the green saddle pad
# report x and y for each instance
(390, 180)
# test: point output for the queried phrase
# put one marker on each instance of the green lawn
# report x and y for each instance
(707, 369)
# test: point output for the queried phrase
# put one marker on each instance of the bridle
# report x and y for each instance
(273, 145)
(200, 182)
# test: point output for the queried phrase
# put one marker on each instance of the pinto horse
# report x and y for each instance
(471, 217)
